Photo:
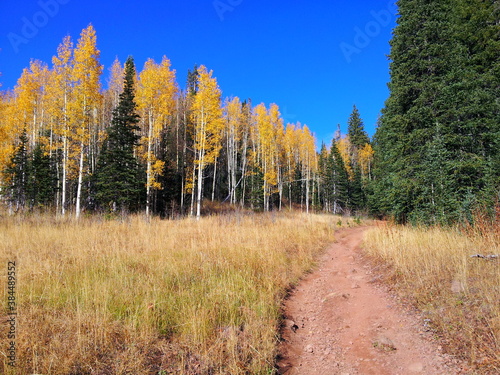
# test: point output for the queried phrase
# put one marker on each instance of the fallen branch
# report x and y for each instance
(487, 257)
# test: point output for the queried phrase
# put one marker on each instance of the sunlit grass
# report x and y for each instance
(459, 294)
(154, 297)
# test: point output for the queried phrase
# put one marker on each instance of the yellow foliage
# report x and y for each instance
(115, 81)
(233, 115)
(155, 97)
(29, 100)
(8, 131)
(344, 147)
(308, 150)
(365, 156)
(207, 117)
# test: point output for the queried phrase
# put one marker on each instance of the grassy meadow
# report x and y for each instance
(133, 296)
(458, 294)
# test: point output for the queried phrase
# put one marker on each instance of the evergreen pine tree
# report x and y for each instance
(192, 81)
(337, 181)
(119, 179)
(323, 177)
(356, 130)
(17, 174)
(357, 199)
(43, 181)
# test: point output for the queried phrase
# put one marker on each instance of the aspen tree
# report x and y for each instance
(233, 115)
(60, 92)
(156, 103)
(209, 124)
(6, 129)
(86, 73)
(277, 149)
(291, 144)
(365, 155)
(309, 161)
(246, 125)
(344, 147)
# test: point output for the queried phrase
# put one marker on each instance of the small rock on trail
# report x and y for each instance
(338, 321)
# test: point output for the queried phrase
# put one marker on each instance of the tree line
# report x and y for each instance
(144, 144)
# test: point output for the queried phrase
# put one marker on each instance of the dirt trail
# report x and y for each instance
(339, 321)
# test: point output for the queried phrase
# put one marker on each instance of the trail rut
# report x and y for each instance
(340, 321)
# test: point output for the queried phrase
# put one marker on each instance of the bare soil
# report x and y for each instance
(341, 320)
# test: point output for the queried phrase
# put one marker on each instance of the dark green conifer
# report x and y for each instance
(119, 178)
(337, 181)
(356, 130)
(440, 127)
(43, 178)
(17, 174)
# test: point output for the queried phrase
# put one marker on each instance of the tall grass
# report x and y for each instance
(136, 297)
(459, 295)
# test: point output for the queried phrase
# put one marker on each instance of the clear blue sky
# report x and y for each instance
(315, 59)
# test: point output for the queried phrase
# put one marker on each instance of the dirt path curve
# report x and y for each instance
(338, 321)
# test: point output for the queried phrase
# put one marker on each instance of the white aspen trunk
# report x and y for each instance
(201, 165)
(234, 168)
(182, 195)
(32, 143)
(280, 186)
(80, 167)
(307, 194)
(65, 157)
(200, 187)
(80, 181)
(266, 200)
(308, 178)
(177, 120)
(229, 166)
(215, 177)
(184, 160)
(193, 189)
(244, 168)
(232, 175)
(289, 183)
(51, 140)
(148, 171)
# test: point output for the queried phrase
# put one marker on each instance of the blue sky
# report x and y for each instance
(315, 59)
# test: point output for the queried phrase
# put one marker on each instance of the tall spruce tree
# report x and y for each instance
(323, 176)
(442, 113)
(356, 130)
(358, 139)
(120, 180)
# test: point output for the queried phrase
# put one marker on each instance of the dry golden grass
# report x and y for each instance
(459, 294)
(135, 297)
